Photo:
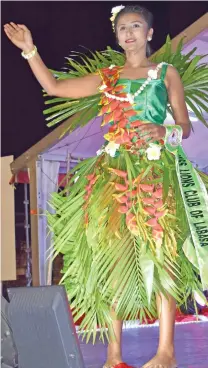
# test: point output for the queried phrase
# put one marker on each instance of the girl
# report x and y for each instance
(123, 226)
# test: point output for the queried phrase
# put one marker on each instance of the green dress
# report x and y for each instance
(121, 223)
(151, 105)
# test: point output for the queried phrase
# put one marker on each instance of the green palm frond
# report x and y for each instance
(80, 65)
(103, 269)
(193, 72)
(194, 75)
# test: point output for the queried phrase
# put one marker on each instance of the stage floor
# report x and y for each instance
(139, 345)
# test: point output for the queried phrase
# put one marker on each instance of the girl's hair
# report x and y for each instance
(145, 13)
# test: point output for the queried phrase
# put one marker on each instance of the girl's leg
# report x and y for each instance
(166, 311)
(165, 357)
(114, 348)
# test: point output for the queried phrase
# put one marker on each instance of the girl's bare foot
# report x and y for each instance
(113, 360)
(118, 365)
(162, 360)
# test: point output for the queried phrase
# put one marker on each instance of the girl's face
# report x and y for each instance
(132, 32)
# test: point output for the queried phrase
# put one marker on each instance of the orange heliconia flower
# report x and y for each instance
(121, 187)
(148, 200)
(158, 193)
(152, 222)
(158, 204)
(120, 173)
(123, 209)
(146, 187)
(122, 199)
(150, 210)
(160, 214)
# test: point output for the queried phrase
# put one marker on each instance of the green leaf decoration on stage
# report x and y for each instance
(103, 261)
(88, 107)
(194, 75)
(193, 72)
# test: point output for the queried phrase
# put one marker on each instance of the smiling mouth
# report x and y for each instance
(130, 40)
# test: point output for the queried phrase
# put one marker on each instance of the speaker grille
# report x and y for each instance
(43, 328)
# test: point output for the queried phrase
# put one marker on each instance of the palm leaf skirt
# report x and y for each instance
(121, 224)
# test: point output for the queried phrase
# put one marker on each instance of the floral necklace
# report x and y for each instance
(152, 74)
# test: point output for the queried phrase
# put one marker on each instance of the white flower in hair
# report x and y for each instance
(114, 12)
(111, 66)
(117, 9)
(153, 152)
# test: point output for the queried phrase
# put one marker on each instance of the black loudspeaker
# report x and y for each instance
(43, 328)
(8, 348)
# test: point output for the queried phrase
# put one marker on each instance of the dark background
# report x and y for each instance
(58, 28)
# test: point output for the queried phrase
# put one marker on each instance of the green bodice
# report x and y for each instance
(151, 104)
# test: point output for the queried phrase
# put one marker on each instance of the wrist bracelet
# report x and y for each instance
(173, 137)
(30, 54)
